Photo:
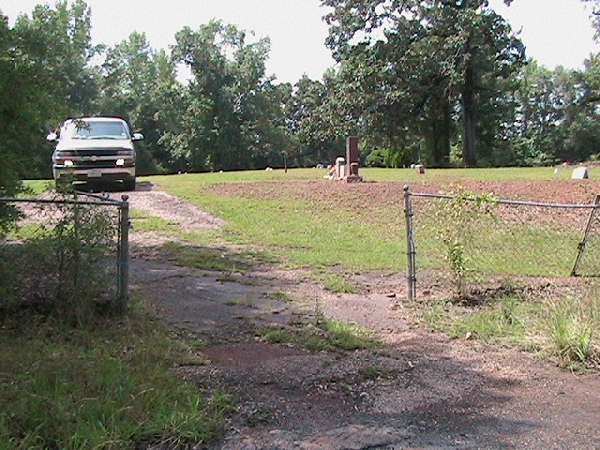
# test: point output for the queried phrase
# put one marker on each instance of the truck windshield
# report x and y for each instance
(88, 129)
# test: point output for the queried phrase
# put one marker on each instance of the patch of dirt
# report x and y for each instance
(361, 196)
(418, 390)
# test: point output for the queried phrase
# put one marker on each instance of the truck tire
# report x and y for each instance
(129, 184)
(62, 186)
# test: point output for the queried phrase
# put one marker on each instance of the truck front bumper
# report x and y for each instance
(113, 174)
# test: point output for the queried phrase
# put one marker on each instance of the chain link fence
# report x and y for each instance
(467, 244)
(64, 253)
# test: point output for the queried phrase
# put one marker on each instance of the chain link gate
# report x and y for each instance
(65, 243)
(496, 241)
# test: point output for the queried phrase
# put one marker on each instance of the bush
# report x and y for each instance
(61, 261)
(457, 220)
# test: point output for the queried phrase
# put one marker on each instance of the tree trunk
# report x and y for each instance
(469, 117)
(440, 128)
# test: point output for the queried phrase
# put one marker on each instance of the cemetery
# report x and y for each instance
(332, 224)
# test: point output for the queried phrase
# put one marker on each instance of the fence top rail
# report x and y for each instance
(516, 202)
(98, 202)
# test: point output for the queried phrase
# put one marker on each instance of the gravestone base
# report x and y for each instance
(353, 179)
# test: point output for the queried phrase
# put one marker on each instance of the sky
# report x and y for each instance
(556, 32)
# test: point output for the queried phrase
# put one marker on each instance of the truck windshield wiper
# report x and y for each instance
(104, 137)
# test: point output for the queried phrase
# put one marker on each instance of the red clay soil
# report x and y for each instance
(373, 195)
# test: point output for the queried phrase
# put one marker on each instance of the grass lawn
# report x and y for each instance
(299, 232)
(106, 385)
(319, 235)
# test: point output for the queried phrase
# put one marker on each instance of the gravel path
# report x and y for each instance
(166, 206)
(428, 391)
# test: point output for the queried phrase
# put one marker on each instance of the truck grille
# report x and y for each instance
(94, 152)
(94, 164)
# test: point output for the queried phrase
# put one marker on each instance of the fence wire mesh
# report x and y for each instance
(588, 262)
(60, 250)
(469, 243)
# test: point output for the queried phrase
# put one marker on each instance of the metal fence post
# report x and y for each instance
(586, 234)
(410, 245)
(123, 289)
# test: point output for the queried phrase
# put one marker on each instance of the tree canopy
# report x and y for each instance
(444, 82)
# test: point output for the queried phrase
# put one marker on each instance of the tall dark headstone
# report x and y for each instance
(352, 159)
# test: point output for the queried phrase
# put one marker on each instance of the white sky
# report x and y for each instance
(557, 32)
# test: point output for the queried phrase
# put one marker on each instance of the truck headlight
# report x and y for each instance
(68, 163)
(120, 162)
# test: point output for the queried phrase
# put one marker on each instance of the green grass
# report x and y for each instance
(311, 234)
(328, 335)
(27, 231)
(109, 385)
(37, 187)
(565, 331)
(573, 328)
(334, 282)
(293, 230)
(399, 175)
(505, 248)
(144, 223)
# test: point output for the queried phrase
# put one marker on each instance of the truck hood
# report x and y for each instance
(94, 144)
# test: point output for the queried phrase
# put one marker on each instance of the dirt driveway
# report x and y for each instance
(416, 390)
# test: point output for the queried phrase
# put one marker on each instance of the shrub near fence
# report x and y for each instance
(470, 240)
(65, 255)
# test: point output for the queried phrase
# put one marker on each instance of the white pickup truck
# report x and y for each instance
(95, 149)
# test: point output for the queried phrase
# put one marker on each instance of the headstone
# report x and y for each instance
(339, 168)
(352, 160)
(580, 173)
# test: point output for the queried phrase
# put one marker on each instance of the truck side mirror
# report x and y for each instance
(137, 137)
(52, 137)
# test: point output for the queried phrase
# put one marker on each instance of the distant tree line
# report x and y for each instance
(444, 82)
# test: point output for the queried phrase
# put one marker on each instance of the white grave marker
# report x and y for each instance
(580, 173)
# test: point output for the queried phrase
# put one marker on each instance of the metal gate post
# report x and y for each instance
(410, 246)
(588, 228)
(123, 265)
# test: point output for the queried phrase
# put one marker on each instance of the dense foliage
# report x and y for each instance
(438, 81)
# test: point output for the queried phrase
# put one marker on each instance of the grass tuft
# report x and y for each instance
(334, 282)
(328, 335)
(570, 331)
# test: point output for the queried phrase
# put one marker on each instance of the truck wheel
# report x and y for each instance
(129, 184)
(62, 186)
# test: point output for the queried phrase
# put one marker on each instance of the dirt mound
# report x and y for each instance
(374, 195)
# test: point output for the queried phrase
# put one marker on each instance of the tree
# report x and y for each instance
(49, 78)
(230, 117)
(432, 58)
(140, 84)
